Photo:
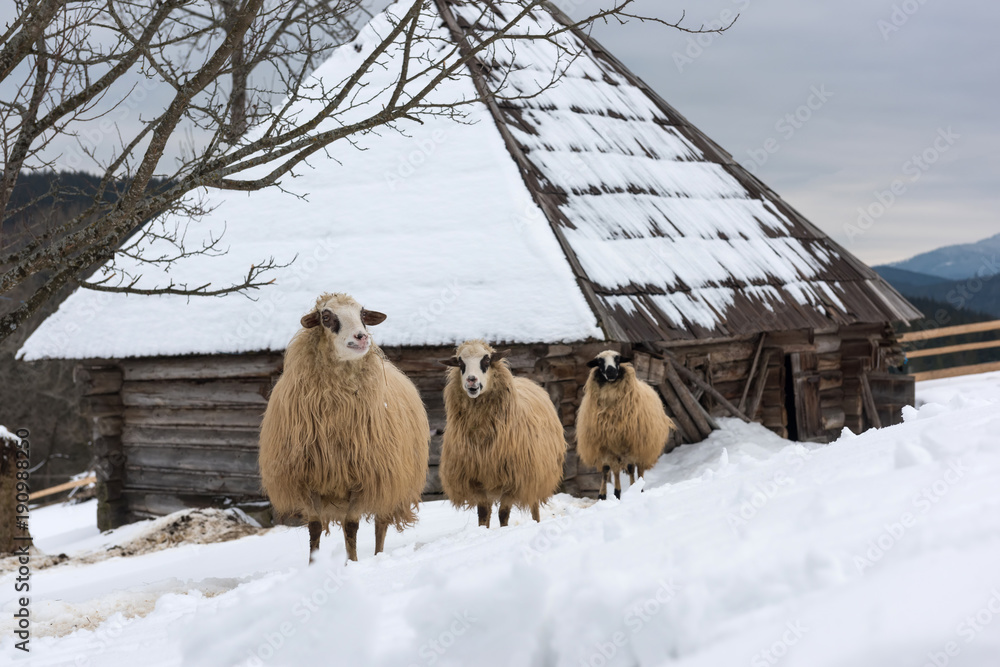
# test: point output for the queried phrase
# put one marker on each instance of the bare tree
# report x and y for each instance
(238, 77)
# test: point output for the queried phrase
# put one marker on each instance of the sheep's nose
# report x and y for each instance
(360, 336)
(472, 379)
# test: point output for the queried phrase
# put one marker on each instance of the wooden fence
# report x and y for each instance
(960, 330)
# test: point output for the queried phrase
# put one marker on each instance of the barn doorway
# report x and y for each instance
(790, 416)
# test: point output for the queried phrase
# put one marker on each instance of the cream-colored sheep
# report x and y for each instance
(621, 424)
(345, 433)
(503, 441)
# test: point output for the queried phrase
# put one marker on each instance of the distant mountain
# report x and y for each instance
(970, 294)
(957, 262)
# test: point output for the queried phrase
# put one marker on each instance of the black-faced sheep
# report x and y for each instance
(503, 441)
(621, 424)
(345, 433)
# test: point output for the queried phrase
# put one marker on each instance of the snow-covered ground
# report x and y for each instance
(879, 550)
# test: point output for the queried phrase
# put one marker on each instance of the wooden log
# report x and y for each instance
(191, 436)
(97, 380)
(774, 416)
(684, 422)
(830, 380)
(871, 411)
(710, 390)
(702, 419)
(206, 460)
(951, 349)
(193, 394)
(190, 481)
(832, 418)
(751, 374)
(106, 405)
(827, 343)
(762, 386)
(247, 416)
(214, 367)
(828, 362)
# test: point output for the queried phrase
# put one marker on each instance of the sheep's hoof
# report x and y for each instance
(602, 496)
(618, 494)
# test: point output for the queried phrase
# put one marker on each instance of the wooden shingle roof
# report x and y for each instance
(668, 236)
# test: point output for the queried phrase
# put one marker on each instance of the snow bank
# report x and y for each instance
(879, 549)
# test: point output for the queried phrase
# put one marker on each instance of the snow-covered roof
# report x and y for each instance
(591, 210)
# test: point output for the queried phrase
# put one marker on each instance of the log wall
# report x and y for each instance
(171, 433)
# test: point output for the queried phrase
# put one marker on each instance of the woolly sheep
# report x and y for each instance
(345, 433)
(503, 441)
(621, 423)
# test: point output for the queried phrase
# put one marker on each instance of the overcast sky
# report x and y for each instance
(887, 80)
(897, 75)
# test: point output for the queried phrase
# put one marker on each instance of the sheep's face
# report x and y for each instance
(345, 324)
(474, 361)
(608, 365)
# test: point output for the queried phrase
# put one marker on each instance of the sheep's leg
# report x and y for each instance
(504, 513)
(631, 474)
(618, 484)
(381, 526)
(351, 539)
(535, 514)
(484, 514)
(315, 529)
(605, 473)
(641, 473)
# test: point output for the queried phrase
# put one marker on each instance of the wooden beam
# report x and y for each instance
(957, 371)
(930, 334)
(871, 410)
(753, 371)
(950, 349)
(758, 394)
(702, 419)
(708, 389)
(684, 422)
(63, 487)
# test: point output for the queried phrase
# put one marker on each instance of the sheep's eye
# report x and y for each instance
(461, 365)
(330, 321)
(485, 363)
(618, 360)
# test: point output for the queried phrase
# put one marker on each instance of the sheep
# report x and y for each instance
(503, 441)
(345, 434)
(620, 423)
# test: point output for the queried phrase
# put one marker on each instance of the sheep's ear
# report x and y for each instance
(372, 317)
(497, 356)
(593, 363)
(311, 320)
(624, 360)
(450, 361)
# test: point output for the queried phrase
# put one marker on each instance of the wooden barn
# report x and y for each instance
(589, 216)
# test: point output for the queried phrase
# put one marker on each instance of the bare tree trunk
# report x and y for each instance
(13, 533)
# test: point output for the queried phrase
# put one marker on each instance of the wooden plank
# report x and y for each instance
(758, 394)
(930, 334)
(207, 460)
(833, 418)
(97, 380)
(957, 371)
(202, 367)
(194, 394)
(191, 436)
(249, 416)
(76, 483)
(702, 419)
(684, 422)
(710, 390)
(951, 349)
(868, 402)
(190, 481)
(750, 376)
